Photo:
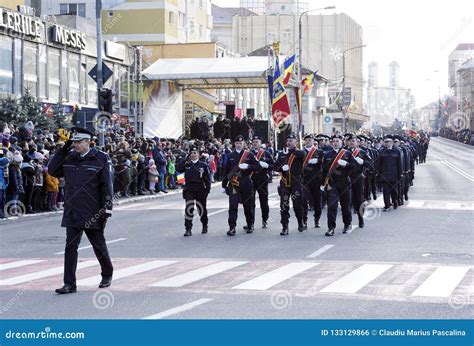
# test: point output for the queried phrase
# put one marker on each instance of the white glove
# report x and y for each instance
(285, 150)
(285, 168)
(263, 164)
(313, 161)
(342, 163)
(321, 187)
(223, 190)
(359, 160)
(243, 166)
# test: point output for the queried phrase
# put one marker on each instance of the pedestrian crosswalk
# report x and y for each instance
(397, 281)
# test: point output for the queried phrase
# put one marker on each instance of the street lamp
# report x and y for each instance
(300, 39)
(344, 82)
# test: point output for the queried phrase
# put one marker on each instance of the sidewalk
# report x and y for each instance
(117, 202)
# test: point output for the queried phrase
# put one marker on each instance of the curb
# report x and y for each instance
(119, 202)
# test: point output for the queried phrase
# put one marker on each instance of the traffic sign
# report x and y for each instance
(327, 119)
(347, 99)
(106, 73)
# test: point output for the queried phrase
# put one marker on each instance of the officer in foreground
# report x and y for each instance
(88, 175)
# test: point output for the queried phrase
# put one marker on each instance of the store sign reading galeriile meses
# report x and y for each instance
(34, 27)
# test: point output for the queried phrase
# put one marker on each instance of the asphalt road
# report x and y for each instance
(415, 262)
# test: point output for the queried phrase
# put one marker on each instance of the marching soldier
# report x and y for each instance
(237, 184)
(358, 177)
(312, 179)
(196, 189)
(336, 182)
(261, 178)
(403, 155)
(390, 172)
(290, 165)
(88, 196)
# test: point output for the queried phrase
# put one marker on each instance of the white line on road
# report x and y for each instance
(217, 212)
(43, 274)
(178, 309)
(358, 278)
(442, 282)
(198, 274)
(455, 168)
(320, 251)
(353, 228)
(17, 264)
(89, 246)
(270, 279)
(126, 272)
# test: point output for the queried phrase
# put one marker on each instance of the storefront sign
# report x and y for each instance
(68, 37)
(21, 24)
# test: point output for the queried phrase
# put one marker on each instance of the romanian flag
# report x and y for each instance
(308, 82)
(280, 104)
(180, 179)
(288, 66)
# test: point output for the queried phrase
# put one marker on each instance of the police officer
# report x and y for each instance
(237, 184)
(390, 172)
(337, 184)
(88, 196)
(358, 177)
(312, 179)
(289, 163)
(196, 189)
(401, 183)
(261, 178)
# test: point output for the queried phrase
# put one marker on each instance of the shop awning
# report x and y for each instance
(211, 73)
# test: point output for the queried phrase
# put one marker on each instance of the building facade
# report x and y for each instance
(53, 62)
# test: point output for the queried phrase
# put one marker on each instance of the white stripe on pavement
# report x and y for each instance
(358, 278)
(442, 282)
(270, 279)
(16, 264)
(177, 309)
(125, 272)
(455, 168)
(198, 274)
(217, 212)
(353, 228)
(320, 251)
(43, 274)
(89, 246)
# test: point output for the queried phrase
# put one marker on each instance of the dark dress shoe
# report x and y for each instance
(305, 225)
(317, 224)
(406, 197)
(66, 289)
(329, 233)
(347, 229)
(231, 232)
(264, 224)
(249, 229)
(395, 206)
(188, 233)
(105, 282)
(386, 209)
(361, 225)
(204, 229)
(284, 231)
(301, 228)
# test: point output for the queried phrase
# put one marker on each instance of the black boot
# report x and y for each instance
(347, 229)
(67, 289)
(317, 224)
(188, 233)
(330, 232)
(204, 229)
(249, 229)
(264, 224)
(105, 282)
(284, 231)
(231, 232)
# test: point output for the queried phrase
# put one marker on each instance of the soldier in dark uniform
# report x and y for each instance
(88, 196)
(196, 189)
(401, 183)
(390, 172)
(312, 179)
(261, 178)
(358, 176)
(289, 163)
(237, 184)
(337, 165)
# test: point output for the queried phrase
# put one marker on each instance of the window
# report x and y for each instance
(30, 75)
(42, 71)
(91, 84)
(6, 65)
(181, 20)
(64, 76)
(17, 67)
(171, 17)
(201, 4)
(77, 9)
(53, 74)
(200, 30)
(271, 37)
(74, 77)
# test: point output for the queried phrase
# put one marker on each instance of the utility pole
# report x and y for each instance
(100, 83)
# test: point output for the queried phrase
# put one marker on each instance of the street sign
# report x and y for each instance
(347, 96)
(327, 119)
(106, 73)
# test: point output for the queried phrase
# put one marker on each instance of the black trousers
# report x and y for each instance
(243, 195)
(401, 189)
(97, 240)
(295, 192)
(195, 199)
(339, 192)
(312, 191)
(390, 189)
(357, 189)
(262, 189)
